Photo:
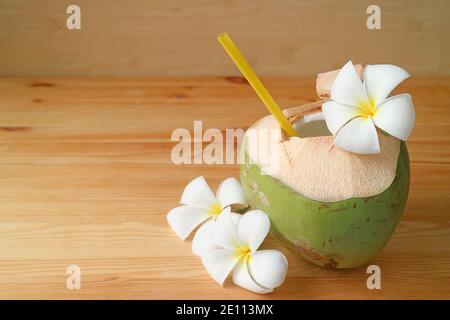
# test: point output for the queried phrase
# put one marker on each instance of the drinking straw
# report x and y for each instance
(256, 83)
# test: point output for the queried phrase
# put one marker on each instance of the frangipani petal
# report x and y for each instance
(337, 114)
(396, 116)
(242, 278)
(230, 192)
(358, 136)
(219, 263)
(253, 228)
(347, 88)
(203, 239)
(236, 218)
(268, 268)
(381, 79)
(225, 232)
(198, 194)
(184, 219)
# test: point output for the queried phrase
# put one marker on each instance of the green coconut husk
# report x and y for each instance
(342, 234)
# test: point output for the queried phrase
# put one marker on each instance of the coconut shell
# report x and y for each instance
(335, 208)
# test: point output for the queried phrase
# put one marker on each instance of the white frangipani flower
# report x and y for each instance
(237, 241)
(200, 204)
(356, 107)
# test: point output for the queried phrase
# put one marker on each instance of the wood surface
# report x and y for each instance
(86, 179)
(175, 37)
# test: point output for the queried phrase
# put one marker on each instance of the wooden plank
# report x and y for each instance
(86, 179)
(174, 37)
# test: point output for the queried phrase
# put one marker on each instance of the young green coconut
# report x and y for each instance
(336, 193)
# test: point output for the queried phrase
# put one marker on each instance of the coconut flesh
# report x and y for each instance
(334, 207)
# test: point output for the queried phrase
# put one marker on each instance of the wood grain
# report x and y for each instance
(174, 37)
(86, 179)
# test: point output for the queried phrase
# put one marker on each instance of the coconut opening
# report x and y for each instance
(311, 128)
(307, 120)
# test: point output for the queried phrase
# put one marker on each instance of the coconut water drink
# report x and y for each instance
(336, 208)
(333, 176)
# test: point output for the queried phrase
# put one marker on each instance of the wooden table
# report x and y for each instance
(86, 178)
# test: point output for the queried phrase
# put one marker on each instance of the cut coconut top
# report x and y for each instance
(313, 167)
(325, 80)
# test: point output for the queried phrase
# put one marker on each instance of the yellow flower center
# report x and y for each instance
(367, 108)
(243, 253)
(215, 209)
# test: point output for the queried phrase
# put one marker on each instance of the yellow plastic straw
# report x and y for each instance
(256, 83)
